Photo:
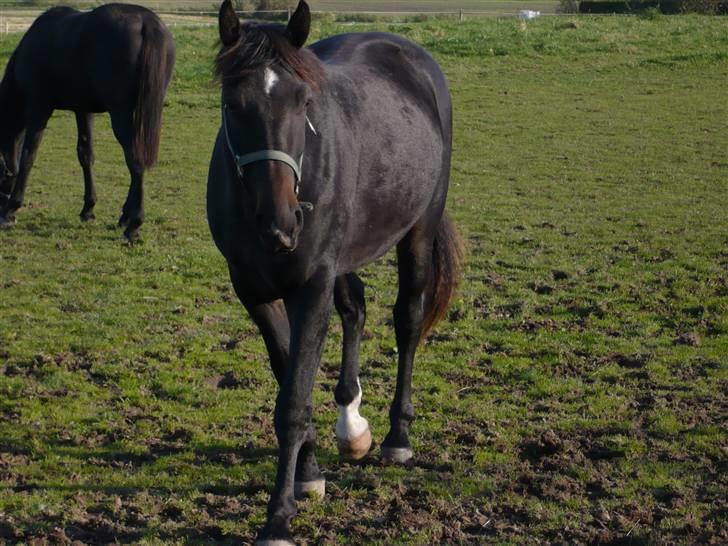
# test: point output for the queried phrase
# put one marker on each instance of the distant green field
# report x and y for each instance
(499, 6)
(576, 394)
(428, 5)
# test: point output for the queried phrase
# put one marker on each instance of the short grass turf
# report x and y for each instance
(576, 393)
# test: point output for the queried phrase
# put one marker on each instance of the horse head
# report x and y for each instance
(268, 84)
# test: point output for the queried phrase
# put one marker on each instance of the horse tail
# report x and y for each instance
(153, 80)
(447, 265)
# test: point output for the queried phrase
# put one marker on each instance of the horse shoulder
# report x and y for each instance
(377, 60)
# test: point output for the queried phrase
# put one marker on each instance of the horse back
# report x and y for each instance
(86, 61)
(378, 61)
(393, 125)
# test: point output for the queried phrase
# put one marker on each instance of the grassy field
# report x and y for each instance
(576, 393)
(512, 6)
(325, 5)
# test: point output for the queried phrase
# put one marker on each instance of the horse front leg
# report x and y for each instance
(33, 135)
(309, 311)
(353, 436)
(84, 148)
(272, 321)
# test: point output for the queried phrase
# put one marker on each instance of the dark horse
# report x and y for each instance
(351, 137)
(117, 58)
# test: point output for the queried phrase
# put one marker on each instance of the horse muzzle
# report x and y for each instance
(4, 200)
(281, 242)
(280, 239)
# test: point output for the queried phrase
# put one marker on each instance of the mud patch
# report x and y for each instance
(231, 380)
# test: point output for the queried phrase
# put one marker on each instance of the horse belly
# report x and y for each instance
(78, 96)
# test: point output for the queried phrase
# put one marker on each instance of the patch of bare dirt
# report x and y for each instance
(231, 380)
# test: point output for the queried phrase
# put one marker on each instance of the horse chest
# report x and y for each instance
(262, 278)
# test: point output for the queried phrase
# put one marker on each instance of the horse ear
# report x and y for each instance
(300, 25)
(229, 24)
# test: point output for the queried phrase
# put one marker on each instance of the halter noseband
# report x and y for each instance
(264, 155)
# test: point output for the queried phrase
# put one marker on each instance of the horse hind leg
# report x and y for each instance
(132, 213)
(414, 264)
(353, 436)
(84, 122)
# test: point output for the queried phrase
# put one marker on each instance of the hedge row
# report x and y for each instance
(713, 7)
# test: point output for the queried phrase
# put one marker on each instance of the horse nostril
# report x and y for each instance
(299, 216)
(284, 241)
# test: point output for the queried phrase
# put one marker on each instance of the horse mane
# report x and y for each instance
(266, 44)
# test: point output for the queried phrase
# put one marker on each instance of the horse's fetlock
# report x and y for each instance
(345, 392)
(408, 412)
(404, 412)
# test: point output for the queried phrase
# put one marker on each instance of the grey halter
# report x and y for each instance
(262, 155)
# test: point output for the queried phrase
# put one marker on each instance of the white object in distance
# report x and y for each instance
(527, 14)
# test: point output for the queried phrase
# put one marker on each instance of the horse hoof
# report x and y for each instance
(86, 216)
(309, 489)
(274, 542)
(356, 449)
(131, 235)
(6, 223)
(396, 455)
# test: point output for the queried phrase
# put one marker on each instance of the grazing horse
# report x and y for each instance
(117, 58)
(326, 158)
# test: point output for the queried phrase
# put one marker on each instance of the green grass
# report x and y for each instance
(577, 392)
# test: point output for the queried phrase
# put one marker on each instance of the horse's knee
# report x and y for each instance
(292, 424)
(351, 305)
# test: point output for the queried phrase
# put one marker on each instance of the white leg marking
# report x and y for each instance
(307, 489)
(271, 79)
(350, 425)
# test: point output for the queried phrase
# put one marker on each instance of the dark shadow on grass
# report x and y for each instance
(46, 225)
(233, 455)
(119, 459)
(373, 460)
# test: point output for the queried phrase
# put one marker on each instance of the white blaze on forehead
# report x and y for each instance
(271, 78)
(349, 424)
